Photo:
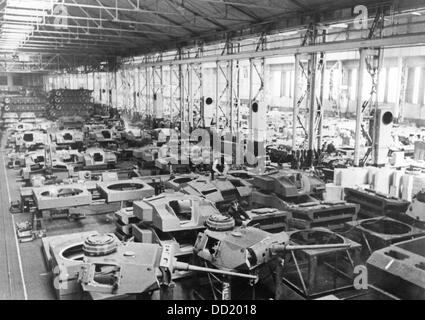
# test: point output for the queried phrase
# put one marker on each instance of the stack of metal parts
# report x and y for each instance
(269, 219)
(331, 215)
(9, 119)
(19, 105)
(222, 190)
(299, 193)
(373, 204)
(68, 103)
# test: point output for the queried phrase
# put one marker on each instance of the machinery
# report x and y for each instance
(147, 155)
(57, 170)
(136, 268)
(310, 273)
(20, 127)
(30, 139)
(250, 250)
(36, 157)
(22, 105)
(136, 138)
(10, 119)
(96, 158)
(172, 218)
(298, 192)
(68, 103)
(269, 219)
(70, 122)
(207, 111)
(28, 117)
(378, 233)
(380, 128)
(125, 190)
(373, 204)
(103, 267)
(170, 212)
(399, 269)
(222, 190)
(103, 136)
(289, 183)
(68, 137)
(329, 214)
(63, 255)
(54, 197)
(415, 214)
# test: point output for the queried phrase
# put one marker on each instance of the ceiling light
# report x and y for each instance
(31, 4)
(11, 17)
(416, 13)
(25, 12)
(13, 34)
(17, 26)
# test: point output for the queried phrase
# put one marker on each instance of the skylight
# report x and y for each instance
(20, 19)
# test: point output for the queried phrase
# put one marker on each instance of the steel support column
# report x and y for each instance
(401, 90)
(296, 109)
(257, 77)
(175, 93)
(359, 106)
(312, 64)
(157, 89)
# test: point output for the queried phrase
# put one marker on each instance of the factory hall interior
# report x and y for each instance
(212, 150)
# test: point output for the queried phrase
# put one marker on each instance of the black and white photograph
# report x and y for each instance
(212, 156)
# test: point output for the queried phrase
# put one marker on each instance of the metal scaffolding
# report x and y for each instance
(310, 71)
(370, 61)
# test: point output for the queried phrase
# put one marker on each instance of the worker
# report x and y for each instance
(170, 166)
(238, 214)
(157, 186)
(330, 148)
(219, 167)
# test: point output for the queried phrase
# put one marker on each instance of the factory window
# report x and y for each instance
(353, 83)
(410, 84)
(382, 85)
(286, 84)
(392, 85)
(276, 85)
(417, 78)
(3, 81)
(289, 83)
(421, 85)
(326, 84)
(367, 86)
(423, 97)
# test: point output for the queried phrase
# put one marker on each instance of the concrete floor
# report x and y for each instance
(12, 284)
